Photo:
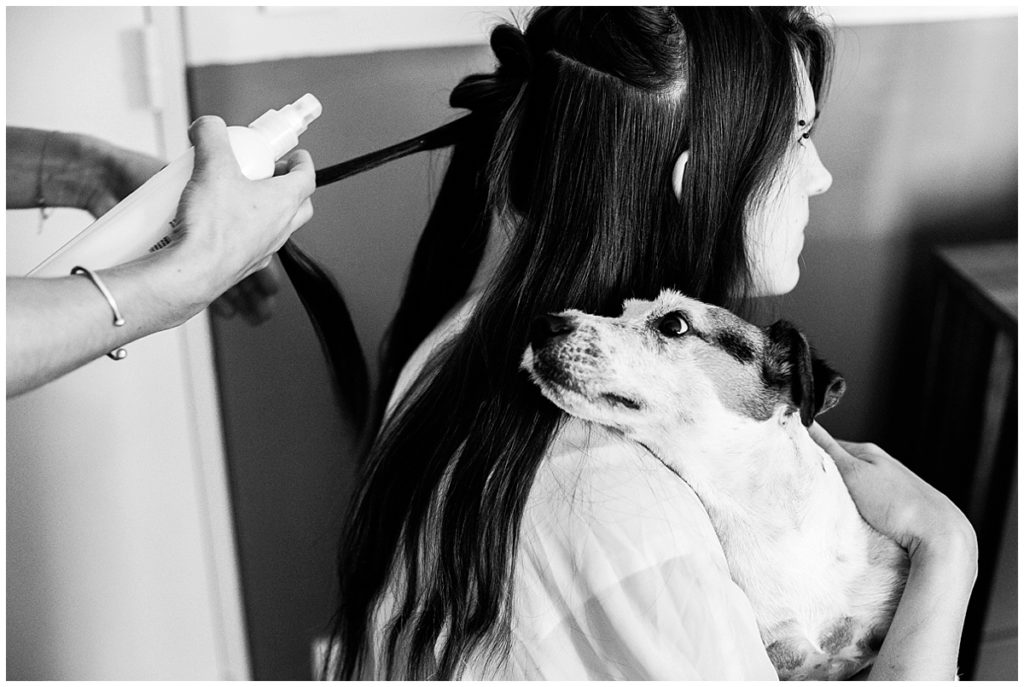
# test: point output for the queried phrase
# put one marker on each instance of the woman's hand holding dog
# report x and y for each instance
(895, 501)
(924, 638)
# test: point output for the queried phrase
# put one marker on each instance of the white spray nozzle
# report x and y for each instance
(303, 111)
(282, 127)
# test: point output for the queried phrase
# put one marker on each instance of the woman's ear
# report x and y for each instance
(677, 174)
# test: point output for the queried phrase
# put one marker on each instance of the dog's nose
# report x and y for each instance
(548, 327)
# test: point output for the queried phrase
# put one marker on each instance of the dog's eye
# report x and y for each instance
(672, 325)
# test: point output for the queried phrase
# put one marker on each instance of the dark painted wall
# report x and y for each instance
(919, 133)
(290, 454)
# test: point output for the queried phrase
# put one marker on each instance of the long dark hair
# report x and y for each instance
(571, 141)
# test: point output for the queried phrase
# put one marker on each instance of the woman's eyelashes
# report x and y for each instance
(806, 134)
(806, 129)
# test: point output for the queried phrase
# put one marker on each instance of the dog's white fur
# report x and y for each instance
(822, 583)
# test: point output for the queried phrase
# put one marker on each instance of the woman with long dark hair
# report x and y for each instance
(612, 153)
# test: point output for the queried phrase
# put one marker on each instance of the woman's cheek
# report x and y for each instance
(774, 243)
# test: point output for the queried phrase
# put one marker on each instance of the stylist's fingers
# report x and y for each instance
(295, 170)
(303, 214)
(269, 276)
(263, 265)
(259, 304)
(213, 151)
(225, 305)
(248, 298)
(295, 159)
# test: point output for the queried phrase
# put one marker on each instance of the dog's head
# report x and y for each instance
(670, 360)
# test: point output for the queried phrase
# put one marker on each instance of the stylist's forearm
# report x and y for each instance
(52, 168)
(57, 325)
(924, 638)
(24, 156)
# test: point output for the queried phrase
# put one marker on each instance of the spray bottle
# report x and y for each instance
(141, 223)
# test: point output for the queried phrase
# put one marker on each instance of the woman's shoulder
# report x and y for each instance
(448, 328)
(593, 484)
(619, 574)
(595, 490)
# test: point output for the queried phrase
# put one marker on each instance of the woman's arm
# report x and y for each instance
(924, 639)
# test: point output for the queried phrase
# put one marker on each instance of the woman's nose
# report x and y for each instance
(818, 177)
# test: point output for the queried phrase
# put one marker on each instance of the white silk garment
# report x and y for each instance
(619, 574)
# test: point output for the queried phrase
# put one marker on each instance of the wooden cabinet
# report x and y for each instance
(967, 434)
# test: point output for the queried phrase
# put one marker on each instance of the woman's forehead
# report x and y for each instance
(807, 106)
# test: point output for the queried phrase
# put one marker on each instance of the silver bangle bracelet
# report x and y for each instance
(119, 353)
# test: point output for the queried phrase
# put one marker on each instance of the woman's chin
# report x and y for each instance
(777, 285)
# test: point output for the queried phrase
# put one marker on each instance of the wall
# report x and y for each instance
(239, 34)
(291, 456)
(120, 557)
(919, 134)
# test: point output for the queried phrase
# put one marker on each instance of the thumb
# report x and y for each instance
(295, 171)
(823, 439)
(213, 152)
(844, 460)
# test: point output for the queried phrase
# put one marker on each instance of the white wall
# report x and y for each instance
(862, 15)
(120, 559)
(235, 35)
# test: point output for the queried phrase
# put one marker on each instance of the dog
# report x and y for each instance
(725, 405)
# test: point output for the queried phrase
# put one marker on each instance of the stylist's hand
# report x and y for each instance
(119, 171)
(229, 227)
(253, 297)
(110, 174)
(898, 503)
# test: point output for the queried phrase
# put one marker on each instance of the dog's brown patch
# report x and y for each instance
(838, 637)
(738, 387)
(785, 656)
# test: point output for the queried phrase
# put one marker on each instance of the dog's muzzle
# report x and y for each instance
(565, 357)
(549, 328)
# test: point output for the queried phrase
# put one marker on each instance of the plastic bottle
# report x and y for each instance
(141, 223)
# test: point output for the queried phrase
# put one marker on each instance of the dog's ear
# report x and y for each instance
(812, 386)
(829, 385)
